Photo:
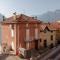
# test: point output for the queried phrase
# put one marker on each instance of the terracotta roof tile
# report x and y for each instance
(42, 26)
(21, 18)
(49, 26)
(56, 25)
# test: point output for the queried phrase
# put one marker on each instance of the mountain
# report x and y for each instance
(1, 18)
(50, 16)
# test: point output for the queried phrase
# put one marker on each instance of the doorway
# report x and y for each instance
(51, 45)
(58, 41)
(45, 43)
(36, 44)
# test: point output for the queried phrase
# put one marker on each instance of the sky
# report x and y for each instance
(28, 7)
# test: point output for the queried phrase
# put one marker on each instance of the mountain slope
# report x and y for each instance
(50, 16)
(1, 18)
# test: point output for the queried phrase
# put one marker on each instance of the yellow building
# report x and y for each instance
(57, 27)
(47, 36)
(58, 36)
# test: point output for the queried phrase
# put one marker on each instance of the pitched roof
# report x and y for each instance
(42, 27)
(21, 18)
(49, 26)
(56, 25)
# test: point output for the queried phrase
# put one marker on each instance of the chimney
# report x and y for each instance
(14, 16)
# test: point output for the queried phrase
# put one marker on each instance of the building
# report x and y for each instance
(20, 31)
(26, 33)
(47, 36)
(56, 25)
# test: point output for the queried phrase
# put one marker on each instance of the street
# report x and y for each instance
(9, 57)
(54, 54)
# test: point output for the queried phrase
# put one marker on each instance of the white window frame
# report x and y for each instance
(27, 34)
(27, 45)
(36, 33)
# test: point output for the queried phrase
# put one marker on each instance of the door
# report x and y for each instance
(45, 43)
(58, 41)
(51, 45)
(36, 44)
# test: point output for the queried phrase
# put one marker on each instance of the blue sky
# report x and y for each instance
(28, 7)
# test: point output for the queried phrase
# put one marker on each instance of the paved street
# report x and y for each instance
(9, 57)
(54, 54)
(57, 57)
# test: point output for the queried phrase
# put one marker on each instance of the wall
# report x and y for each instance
(47, 36)
(6, 35)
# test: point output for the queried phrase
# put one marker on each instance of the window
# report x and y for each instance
(36, 33)
(51, 31)
(12, 26)
(27, 34)
(26, 25)
(44, 31)
(51, 37)
(45, 43)
(40, 31)
(27, 45)
(40, 40)
(12, 30)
